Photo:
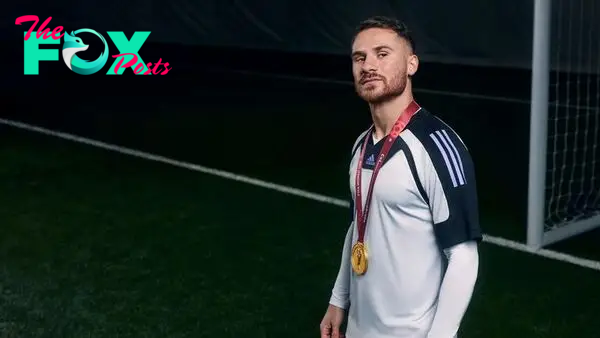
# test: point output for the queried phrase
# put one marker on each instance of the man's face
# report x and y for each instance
(381, 64)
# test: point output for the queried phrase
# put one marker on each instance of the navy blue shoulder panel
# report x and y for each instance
(455, 170)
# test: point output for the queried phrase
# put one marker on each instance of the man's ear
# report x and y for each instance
(413, 65)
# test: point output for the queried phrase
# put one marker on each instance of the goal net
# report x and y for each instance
(572, 172)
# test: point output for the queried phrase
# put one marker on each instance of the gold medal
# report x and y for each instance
(359, 258)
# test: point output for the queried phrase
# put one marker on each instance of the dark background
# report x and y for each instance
(217, 107)
(203, 113)
(94, 244)
(266, 92)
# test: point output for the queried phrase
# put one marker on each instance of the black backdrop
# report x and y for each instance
(467, 47)
(492, 33)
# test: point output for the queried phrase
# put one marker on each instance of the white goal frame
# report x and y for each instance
(537, 236)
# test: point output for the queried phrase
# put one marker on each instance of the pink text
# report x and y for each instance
(42, 32)
(140, 66)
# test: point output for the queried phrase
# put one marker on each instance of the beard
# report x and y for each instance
(381, 89)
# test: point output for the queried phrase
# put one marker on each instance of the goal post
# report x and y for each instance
(564, 156)
(538, 128)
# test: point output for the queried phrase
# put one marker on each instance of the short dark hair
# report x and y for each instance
(388, 23)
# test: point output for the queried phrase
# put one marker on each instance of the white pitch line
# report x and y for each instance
(502, 242)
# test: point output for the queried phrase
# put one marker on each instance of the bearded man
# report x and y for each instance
(410, 258)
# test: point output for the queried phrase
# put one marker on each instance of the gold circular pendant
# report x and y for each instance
(359, 258)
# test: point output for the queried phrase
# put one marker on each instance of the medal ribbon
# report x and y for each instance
(399, 126)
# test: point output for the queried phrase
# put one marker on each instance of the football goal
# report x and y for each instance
(564, 160)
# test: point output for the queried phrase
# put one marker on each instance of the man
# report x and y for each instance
(410, 260)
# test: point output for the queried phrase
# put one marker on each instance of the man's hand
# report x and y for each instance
(330, 325)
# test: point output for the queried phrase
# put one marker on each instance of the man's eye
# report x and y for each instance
(382, 54)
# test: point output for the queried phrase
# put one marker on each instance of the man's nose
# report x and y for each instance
(369, 65)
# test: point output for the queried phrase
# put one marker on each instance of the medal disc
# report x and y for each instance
(359, 258)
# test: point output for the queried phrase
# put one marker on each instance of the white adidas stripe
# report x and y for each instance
(460, 163)
(453, 152)
(453, 169)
